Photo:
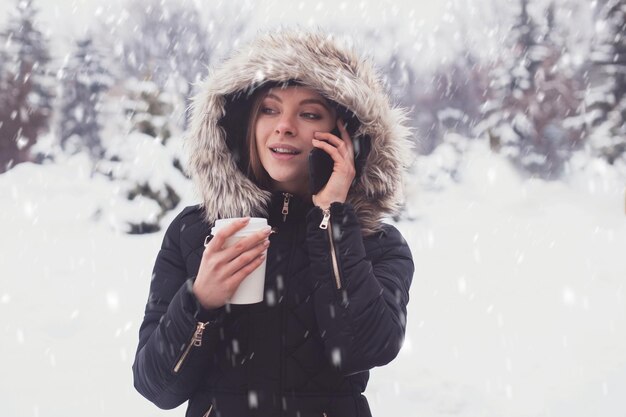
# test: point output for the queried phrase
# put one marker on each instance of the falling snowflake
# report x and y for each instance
(112, 301)
(253, 401)
(336, 357)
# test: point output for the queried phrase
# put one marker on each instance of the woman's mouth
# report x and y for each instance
(284, 153)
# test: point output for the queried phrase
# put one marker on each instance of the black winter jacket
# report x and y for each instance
(334, 307)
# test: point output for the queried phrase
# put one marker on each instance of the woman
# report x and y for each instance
(337, 278)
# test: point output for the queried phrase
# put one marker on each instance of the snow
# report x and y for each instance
(524, 321)
(517, 305)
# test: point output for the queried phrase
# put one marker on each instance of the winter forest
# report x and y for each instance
(518, 109)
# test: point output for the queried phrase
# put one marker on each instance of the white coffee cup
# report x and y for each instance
(251, 289)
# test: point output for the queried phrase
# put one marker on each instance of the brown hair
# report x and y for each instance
(255, 170)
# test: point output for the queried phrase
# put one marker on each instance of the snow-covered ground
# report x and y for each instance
(517, 306)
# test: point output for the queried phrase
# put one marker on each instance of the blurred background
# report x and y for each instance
(519, 116)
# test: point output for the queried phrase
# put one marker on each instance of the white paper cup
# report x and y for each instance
(251, 289)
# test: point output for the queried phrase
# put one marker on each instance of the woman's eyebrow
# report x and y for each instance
(316, 101)
(274, 96)
(305, 101)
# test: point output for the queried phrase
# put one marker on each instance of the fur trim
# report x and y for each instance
(320, 62)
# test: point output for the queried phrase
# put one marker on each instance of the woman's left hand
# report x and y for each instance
(342, 152)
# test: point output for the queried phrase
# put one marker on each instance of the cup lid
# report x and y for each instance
(255, 223)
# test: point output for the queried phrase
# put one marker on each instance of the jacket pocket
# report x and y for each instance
(196, 340)
(327, 225)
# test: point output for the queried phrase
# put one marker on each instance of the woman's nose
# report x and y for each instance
(285, 126)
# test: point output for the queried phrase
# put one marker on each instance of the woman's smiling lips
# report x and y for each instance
(283, 152)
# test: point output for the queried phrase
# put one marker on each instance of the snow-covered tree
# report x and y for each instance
(395, 54)
(4, 78)
(150, 110)
(169, 39)
(533, 95)
(83, 81)
(171, 43)
(454, 96)
(606, 95)
(162, 48)
(150, 180)
(142, 154)
(26, 86)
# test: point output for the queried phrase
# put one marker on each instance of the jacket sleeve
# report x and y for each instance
(361, 296)
(171, 321)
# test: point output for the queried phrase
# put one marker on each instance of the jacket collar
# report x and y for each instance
(287, 208)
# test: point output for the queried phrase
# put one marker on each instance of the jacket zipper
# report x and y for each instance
(327, 225)
(283, 309)
(286, 206)
(196, 340)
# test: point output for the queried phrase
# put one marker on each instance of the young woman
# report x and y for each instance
(337, 278)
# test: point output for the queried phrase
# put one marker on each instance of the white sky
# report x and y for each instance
(422, 26)
(63, 20)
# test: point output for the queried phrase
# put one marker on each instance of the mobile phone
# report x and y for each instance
(320, 167)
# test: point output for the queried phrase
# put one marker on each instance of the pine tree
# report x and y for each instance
(533, 95)
(26, 86)
(4, 79)
(171, 44)
(148, 110)
(459, 90)
(83, 81)
(171, 41)
(606, 95)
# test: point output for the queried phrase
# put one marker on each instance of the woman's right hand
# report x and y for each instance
(222, 269)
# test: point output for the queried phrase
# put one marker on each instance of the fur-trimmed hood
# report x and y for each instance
(315, 60)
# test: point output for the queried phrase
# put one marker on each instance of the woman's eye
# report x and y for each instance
(312, 116)
(267, 110)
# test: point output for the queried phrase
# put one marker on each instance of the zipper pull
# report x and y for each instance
(325, 220)
(197, 336)
(286, 206)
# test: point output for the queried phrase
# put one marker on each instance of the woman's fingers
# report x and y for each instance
(339, 152)
(330, 139)
(247, 269)
(218, 277)
(217, 242)
(230, 259)
(344, 146)
(345, 136)
(328, 148)
(245, 258)
(222, 269)
(246, 244)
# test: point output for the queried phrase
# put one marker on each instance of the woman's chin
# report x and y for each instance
(289, 183)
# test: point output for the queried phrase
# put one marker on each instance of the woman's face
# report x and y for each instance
(285, 125)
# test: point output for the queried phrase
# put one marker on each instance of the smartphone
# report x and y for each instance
(320, 167)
